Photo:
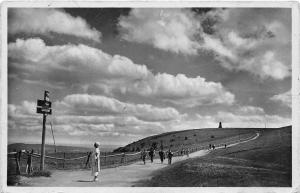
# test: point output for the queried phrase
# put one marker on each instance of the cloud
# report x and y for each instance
(283, 98)
(95, 104)
(23, 119)
(182, 90)
(66, 65)
(167, 29)
(48, 20)
(239, 117)
(260, 46)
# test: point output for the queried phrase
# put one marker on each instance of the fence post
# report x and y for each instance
(88, 158)
(64, 160)
(122, 158)
(17, 164)
(30, 162)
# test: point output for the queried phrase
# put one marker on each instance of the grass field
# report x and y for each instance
(264, 162)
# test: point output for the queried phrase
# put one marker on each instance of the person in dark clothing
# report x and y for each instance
(143, 156)
(209, 146)
(29, 162)
(188, 152)
(161, 155)
(225, 145)
(170, 155)
(152, 154)
(213, 146)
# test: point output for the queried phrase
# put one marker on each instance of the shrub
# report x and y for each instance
(212, 136)
(13, 180)
(185, 138)
(41, 173)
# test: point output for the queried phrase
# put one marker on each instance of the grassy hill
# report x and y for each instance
(188, 138)
(266, 161)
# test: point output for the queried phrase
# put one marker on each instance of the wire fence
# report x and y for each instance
(23, 161)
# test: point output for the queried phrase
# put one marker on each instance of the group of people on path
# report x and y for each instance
(162, 155)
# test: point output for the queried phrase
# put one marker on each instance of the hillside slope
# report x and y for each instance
(265, 162)
(188, 138)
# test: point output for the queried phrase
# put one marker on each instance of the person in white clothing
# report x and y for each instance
(96, 161)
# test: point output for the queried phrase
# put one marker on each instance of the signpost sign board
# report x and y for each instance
(44, 104)
(44, 110)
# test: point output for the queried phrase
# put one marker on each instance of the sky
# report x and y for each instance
(117, 75)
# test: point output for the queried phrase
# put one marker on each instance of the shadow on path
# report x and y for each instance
(84, 181)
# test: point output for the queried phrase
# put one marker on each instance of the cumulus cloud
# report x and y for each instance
(182, 90)
(259, 46)
(23, 118)
(48, 20)
(283, 98)
(168, 29)
(95, 104)
(239, 116)
(84, 65)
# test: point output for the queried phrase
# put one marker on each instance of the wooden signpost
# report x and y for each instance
(44, 107)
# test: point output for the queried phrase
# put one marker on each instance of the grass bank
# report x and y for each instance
(264, 162)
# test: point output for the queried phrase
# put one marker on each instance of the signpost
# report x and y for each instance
(44, 107)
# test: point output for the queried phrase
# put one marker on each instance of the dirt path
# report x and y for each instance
(123, 176)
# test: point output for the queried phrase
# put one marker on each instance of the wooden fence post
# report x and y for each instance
(64, 160)
(30, 165)
(88, 158)
(122, 158)
(17, 164)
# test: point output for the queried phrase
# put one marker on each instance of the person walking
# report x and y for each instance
(96, 161)
(151, 154)
(170, 155)
(29, 162)
(161, 155)
(143, 156)
(188, 152)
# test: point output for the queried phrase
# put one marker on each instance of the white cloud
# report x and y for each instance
(240, 117)
(283, 98)
(239, 44)
(23, 118)
(167, 29)
(85, 65)
(182, 90)
(47, 20)
(95, 104)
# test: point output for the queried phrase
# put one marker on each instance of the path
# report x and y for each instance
(123, 176)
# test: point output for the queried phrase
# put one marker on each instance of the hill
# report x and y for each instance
(187, 138)
(266, 162)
